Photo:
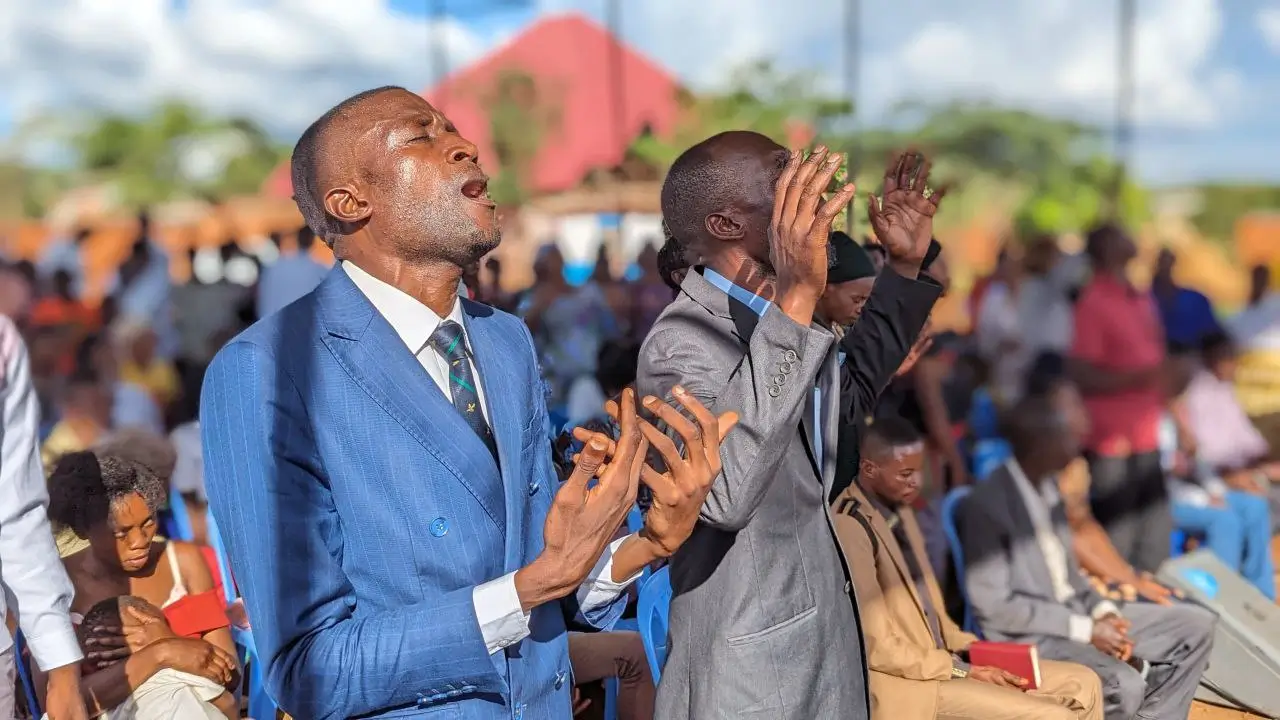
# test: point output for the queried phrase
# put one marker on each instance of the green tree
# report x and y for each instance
(175, 151)
(521, 115)
(757, 97)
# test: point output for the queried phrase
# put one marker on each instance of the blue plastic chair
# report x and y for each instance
(177, 522)
(653, 613)
(988, 455)
(984, 416)
(261, 706)
(24, 675)
(950, 505)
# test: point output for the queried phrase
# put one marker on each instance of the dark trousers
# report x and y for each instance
(596, 656)
(1131, 502)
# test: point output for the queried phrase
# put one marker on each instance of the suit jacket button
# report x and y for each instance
(784, 368)
(790, 356)
(439, 527)
(779, 380)
(774, 391)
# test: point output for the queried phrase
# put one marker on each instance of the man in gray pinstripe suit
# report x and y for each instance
(762, 625)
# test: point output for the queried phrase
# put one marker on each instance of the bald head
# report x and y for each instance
(720, 191)
(323, 151)
(390, 177)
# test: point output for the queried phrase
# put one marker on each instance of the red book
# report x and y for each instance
(1016, 658)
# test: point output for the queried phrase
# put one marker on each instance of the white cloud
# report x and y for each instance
(281, 62)
(285, 61)
(1056, 55)
(1268, 20)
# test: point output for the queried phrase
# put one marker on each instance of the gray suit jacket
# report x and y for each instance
(762, 625)
(1006, 576)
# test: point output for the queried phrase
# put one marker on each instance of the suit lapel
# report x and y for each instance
(493, 355)
(899, 562)
(1024, 531)
(377, 360)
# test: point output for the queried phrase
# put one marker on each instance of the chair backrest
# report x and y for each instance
(984, 416)
(177, 521)
(988, 455)
(653, 613)
(214, 538)
(24, 675)
(950, 506)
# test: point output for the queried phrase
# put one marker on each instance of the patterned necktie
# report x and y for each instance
(448, 341)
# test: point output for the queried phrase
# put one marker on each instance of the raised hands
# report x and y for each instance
(584, 516)
(679, 492)
(800, 229)
(902, 217)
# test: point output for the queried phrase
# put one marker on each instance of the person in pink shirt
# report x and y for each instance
(1117, 360)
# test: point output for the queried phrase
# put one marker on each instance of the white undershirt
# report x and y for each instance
(503, 621)
(1040, 504)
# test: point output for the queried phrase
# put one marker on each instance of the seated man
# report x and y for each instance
(1102, 563)
(914, 651)
(1024, 586)
(1226, 439)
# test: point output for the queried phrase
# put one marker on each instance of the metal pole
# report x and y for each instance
(852, 75)
(1125, 100)
(618, 98)
(439, 51)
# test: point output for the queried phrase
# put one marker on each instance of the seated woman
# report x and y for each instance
(169, 692)
(112, 502)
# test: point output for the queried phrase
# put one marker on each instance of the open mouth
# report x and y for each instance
(477, 191)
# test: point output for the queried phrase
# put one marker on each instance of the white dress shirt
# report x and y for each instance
(503, 621)
(30, 570)
(1040, 503)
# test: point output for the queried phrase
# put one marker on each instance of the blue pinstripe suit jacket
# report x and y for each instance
(359, 512)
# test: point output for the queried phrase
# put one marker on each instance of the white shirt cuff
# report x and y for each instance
(1103, 609)
(599, 589)
(56, 648)
(1080, 629)
(503, 622)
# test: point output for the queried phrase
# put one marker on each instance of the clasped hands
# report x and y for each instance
(1111, 636)
(585, 515)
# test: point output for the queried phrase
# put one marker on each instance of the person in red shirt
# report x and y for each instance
(1117, 360)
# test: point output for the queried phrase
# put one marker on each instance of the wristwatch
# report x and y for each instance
(959, 668)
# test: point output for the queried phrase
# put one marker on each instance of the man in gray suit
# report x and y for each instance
(762, 625)
(1024, 584)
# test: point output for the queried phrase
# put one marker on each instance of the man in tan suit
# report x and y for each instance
(915, 653)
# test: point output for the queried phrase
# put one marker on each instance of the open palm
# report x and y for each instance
(902, 217)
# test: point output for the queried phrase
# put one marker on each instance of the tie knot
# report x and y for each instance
(447, 340)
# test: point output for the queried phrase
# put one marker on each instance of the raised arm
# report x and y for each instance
(880, 340)
(30, 570)
(768, 410)
(274, 506)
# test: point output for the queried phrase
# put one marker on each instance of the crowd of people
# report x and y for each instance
(421, 479)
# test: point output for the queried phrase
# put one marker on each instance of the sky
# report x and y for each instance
(1208, 71)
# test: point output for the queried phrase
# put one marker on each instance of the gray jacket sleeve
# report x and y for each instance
(988, 559)
(767, 386)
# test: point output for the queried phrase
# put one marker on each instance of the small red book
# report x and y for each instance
(1017, 658)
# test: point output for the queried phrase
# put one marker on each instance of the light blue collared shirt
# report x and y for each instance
(759, 305)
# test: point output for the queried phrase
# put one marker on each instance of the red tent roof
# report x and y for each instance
(570, 59)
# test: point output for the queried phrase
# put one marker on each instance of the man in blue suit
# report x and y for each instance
(377, 454)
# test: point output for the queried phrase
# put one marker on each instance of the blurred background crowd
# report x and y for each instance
(146, 211)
